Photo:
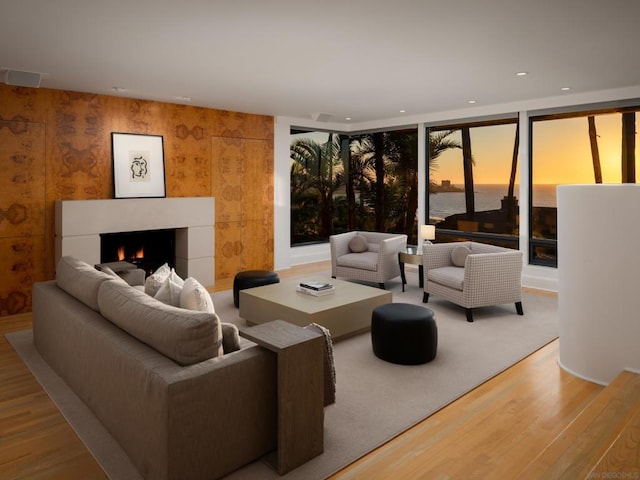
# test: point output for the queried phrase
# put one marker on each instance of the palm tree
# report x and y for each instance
(629, 147)
(439, 142)
(315, 175)
(595, 153)
(467, 162)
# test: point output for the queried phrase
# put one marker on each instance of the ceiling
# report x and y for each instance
(360, 59)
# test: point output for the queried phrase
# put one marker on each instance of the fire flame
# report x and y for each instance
(138, 255)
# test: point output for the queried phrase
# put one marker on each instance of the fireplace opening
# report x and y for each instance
(147, 249)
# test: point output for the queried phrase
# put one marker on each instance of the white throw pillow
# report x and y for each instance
(169, 292)
(155, 281)
(195, 297)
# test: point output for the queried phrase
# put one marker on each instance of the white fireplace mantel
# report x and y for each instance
(79, 223)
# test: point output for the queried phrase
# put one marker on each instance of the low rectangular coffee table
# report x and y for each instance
(346, 312)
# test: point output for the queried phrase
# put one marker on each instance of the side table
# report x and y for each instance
(413, 256)
(299, 357)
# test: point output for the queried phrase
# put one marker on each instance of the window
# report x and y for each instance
(473, 182)
(575, 148)
(357, 182)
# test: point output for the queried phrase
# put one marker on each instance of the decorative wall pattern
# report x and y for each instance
(56, 145)
(242, 174)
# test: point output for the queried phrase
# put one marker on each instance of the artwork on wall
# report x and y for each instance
(138, 165)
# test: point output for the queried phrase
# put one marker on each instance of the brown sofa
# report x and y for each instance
(154, 375)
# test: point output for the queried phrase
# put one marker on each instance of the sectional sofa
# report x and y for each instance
(183, 396)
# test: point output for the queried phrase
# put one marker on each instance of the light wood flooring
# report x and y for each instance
(492, 432)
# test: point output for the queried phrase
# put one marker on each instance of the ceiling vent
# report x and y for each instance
(321, 117)
(22, 79)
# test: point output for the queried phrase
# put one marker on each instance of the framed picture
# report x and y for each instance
(138, 165)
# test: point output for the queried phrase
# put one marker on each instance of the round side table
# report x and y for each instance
(413, 256)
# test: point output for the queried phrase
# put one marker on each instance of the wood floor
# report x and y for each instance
(492, 432)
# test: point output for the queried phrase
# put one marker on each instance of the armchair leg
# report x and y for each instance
(519, 308)
(425, 297)
(333, 276)
(469, 315)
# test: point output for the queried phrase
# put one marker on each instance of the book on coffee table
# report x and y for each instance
(315, 293)
(317, 286)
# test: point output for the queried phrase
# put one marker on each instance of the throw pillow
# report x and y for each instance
(155, 281)
(230, 337)
(169, 292)
(459, 255)
(358, 244)
(195, 297)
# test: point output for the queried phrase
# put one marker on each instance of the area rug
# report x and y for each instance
(375, 400)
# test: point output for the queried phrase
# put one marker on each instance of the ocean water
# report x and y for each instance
(487, 197)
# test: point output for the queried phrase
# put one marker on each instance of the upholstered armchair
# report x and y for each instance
(366, 256)
(472, 274)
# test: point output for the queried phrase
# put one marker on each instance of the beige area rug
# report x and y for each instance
(375, 400)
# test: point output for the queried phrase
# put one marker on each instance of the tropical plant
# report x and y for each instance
(316, 173)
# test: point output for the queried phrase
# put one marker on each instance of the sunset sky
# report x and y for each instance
(561, 152)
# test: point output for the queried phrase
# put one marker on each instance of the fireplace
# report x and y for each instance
(80, 224)
(148, 249)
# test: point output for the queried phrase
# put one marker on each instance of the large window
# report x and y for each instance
(473, 182)
(576, 148)
(356, 182)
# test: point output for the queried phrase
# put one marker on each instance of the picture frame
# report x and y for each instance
(138, 165)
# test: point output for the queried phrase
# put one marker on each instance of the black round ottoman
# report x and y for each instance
(404, 333)
(250, 279)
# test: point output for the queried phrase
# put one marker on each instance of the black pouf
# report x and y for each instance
(250, 279)
(404, 333)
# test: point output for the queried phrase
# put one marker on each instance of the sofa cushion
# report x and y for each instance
(459, 255)
(452, 277)
(80, 280)
(195, 297)
(363, 261)
(153, 283)
(185, 336)
(113, 274)
(358, 244)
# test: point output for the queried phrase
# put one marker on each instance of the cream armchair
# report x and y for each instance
(377, 263)
(480, 276)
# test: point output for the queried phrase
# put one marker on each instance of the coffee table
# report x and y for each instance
(346, 312)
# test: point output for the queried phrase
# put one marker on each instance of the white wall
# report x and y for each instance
(544, 278)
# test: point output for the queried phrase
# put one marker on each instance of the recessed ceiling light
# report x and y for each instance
(348, 118)
(565, 89)
(403, 111)
(471, 101)
(521, 74)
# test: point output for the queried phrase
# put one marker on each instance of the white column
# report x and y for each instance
(599, 280)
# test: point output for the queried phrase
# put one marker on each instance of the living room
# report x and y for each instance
(55, 140)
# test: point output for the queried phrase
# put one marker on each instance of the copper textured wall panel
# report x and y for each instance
(242, 182)
(22, 212)
(56, 145)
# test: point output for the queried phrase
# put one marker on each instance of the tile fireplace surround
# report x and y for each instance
(79, 224)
